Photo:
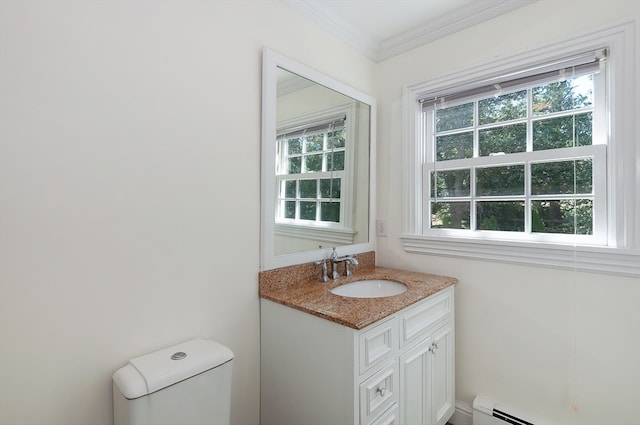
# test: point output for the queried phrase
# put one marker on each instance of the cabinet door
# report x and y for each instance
(442, 374)
(427, 380)
(415, 384)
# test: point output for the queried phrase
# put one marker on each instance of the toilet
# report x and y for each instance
(188, 383)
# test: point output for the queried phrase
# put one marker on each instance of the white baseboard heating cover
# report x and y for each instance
(488, 412)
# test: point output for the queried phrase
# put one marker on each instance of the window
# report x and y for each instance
(520, 163)
(529, 159)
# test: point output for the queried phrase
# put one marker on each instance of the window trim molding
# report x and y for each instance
(622, 159)
(616, 261)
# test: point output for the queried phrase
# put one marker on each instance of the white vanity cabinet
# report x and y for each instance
(399, 370)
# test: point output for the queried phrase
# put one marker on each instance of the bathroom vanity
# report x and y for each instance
(328, 359)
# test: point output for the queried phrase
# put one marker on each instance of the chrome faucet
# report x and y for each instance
(348, 260)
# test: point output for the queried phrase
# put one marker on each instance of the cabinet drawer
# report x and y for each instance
(415, 322)
(377, 345)
(378, 393)
(390, 417)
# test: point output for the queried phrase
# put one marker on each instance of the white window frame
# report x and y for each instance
(620, 253)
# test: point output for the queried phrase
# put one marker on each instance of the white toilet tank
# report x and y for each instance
(188, 383)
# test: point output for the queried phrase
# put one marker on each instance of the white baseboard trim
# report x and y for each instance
(463, 414)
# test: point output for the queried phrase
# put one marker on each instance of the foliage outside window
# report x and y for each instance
(311, 174)
(519, 163)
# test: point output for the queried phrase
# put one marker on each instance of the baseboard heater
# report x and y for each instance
(488, 412)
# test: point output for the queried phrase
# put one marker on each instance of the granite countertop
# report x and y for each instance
(299, 287)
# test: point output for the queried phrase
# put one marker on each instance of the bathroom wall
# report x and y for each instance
(129, 189)
(561, 345)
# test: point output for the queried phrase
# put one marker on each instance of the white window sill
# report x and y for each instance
(328, 234)
(616, 261)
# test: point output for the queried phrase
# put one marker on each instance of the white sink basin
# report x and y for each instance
(372, 288)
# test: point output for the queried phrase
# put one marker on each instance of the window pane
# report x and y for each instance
(313, 163)
(500, 181)
(454, 146)
(308, 189)
(505, 216)
(563, 95)
(330, 211)
(502, 108)
(330, 188)
(584, 129)
(290, 189)
(294, 146)
(336, 139)
(450, 183)
(450, 215)
(335, 161)
(314, 143)
(563, 132)
(562, 177)
(290, 209)
(295, 165)
(307, 210)
(567, 216)
(507, 139)
(454, 117)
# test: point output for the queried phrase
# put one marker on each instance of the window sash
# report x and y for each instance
(598, 194)
(280, 216)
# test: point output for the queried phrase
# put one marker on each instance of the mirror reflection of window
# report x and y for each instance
(310, 173)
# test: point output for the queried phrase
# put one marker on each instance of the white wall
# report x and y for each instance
(564, 346)
(114, 117)
(125, 129)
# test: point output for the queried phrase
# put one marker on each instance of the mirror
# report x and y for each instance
(317, 156)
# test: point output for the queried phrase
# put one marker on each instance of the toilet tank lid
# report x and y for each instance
(152, 372)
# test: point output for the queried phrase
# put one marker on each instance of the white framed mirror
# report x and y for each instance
(318, 157)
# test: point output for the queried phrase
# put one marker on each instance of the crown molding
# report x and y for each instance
(459, 20)
(475, 13)
(336, 25)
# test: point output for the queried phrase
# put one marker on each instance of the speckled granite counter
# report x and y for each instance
(299, 287)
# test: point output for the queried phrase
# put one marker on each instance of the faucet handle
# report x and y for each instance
(323, 277)
(348, 262)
